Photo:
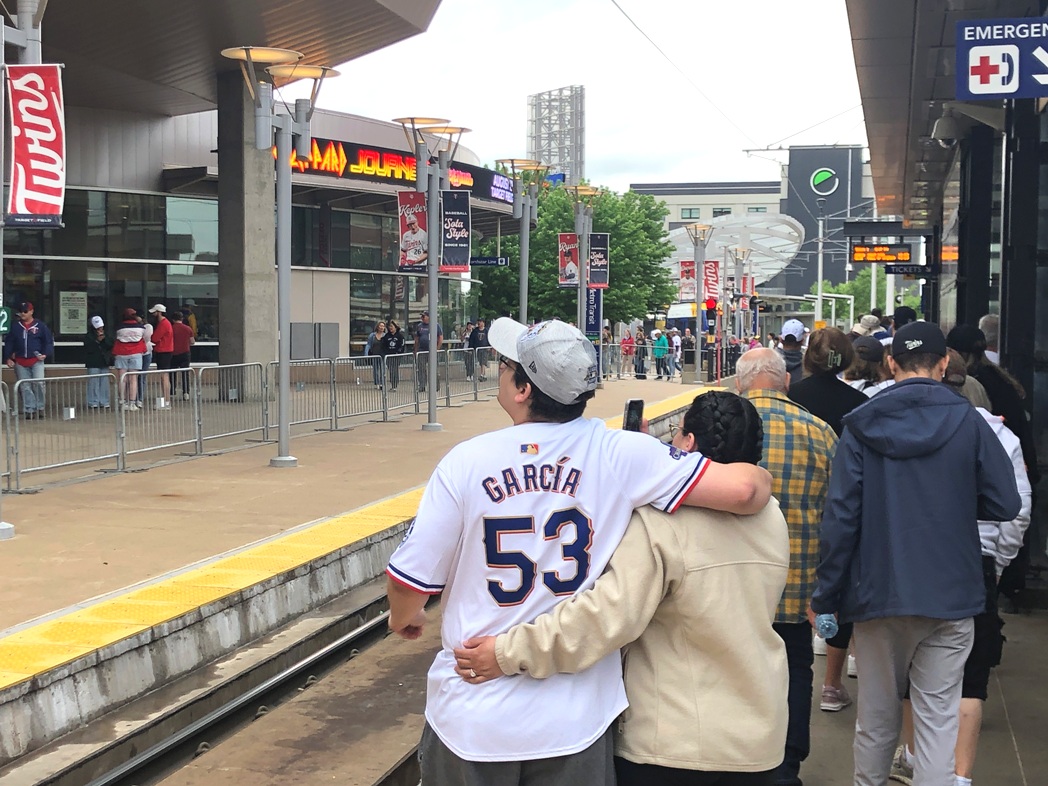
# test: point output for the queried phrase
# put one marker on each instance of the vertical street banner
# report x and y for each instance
(38, 146)
(568, 255)
(414, 228)
(455, 229)
(710, 279)
(688, 285)
(594, 307)
(597, 273)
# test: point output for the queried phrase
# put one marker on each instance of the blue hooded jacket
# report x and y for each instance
(915, 470)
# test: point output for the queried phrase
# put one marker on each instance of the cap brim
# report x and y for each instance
(503, 335)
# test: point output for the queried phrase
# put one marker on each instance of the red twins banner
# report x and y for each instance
(688, 286)
(710, 279)
(597, 275)
(414, 231)
(38, 149)
(568, 250)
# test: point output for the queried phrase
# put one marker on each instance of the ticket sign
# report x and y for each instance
(896, 252)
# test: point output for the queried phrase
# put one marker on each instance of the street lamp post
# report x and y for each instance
(525, 208)
(282, 64)
(583, 196)
(435, 143)
(700, 235)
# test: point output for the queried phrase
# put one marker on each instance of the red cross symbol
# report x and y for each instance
(985, 70)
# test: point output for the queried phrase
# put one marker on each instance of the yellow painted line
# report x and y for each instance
(55, 642)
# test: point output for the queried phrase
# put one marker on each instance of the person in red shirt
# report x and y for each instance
(163, 351)
(182, 339)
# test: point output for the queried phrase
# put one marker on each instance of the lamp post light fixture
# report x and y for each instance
(281, 64)
(526, 209)
(435, 143)
(700, 235)
(583, 196)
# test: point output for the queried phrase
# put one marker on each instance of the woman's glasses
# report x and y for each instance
(674, 429)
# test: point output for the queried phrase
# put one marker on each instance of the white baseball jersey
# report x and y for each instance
(511, 523)
(413, 245)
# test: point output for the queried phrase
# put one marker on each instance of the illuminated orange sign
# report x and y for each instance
(897, 252)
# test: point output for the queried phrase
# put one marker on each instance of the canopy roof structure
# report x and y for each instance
(772, 238)
(162, 58)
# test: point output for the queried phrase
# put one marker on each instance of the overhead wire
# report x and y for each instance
(682, 72)
(816, 125)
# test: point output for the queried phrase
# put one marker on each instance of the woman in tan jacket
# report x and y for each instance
(696, 593)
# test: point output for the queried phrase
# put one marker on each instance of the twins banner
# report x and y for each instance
(711, 280)
(597, 275)
(568, 251)
(38, 149)
(456, 228)
(688, 288)
(414, 227)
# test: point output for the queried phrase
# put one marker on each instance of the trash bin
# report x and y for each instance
(689, 373)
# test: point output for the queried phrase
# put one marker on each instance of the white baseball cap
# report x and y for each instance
(96, 322)
(558, 359)
(158, 308)
(793, 327)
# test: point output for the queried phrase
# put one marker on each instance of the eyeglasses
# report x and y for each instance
(505, 361)
(674, 429)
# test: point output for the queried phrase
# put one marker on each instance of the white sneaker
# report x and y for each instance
(818, 645)
(185, 397)
(853, 667)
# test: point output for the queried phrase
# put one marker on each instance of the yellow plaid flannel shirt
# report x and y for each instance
(798, 452)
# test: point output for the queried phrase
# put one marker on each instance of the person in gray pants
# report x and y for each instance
(916, 469)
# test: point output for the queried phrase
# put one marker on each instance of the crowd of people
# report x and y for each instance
(138, 341)
(615, 609)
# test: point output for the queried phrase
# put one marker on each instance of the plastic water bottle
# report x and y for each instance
(826, 626)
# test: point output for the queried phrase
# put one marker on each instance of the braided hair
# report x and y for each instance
(727, 428)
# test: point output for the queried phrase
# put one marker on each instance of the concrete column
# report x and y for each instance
(247, 285)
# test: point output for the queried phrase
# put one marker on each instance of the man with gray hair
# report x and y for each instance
(990, 325)
(798, 451)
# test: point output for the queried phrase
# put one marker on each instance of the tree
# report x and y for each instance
(638, 282)
(859, 287)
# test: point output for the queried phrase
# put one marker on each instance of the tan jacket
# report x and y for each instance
(706, 679)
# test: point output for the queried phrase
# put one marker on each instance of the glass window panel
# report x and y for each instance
(193, 290)
(689, 212)
(759, 209)
(721, 211)
(67, 283)
(83, 234)
(305, 238)
(367, 240)
(192, 229)
(340, 239)
(136, 226)
(369, 298)
(133, 286)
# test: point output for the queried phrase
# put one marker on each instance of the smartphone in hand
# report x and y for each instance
(633, 414)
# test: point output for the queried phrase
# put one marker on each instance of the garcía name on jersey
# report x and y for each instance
(559, 478)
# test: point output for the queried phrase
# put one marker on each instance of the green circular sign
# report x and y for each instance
(824, 181)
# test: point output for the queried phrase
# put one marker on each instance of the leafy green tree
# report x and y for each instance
(638, 282)
(859, 287)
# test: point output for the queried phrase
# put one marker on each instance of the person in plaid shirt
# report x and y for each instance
(798, 452)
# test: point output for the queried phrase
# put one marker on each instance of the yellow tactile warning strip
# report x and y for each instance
(52, 643)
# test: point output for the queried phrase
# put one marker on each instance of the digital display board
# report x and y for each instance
(895, 252)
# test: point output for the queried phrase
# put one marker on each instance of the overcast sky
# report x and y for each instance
(773, 68)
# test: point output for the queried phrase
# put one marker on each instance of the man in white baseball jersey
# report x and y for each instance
(512, 522)
(414, 244)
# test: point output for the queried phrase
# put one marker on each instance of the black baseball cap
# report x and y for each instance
(869, 349)
(903, 316)
(918, 337)
(967, 339)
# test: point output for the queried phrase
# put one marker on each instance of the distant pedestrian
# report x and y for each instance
(868, 372)
(478, 342)
(27, 346)
(163, 351)
(626, 358)
(676, 346)
(392, 347)
(792, 336)
(469, 357)
(183, 340)
(660, 351)
(128, 349)
(189, 315)
(422, 351)
(821, 392)
(98, 357)
(640, 357)
(373, 350)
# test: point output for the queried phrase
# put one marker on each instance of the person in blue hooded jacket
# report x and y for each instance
(916, 469)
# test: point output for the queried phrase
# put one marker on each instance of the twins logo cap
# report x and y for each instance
(558, 359)
(919, 337)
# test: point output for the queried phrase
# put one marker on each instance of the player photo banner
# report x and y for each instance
(597, 274)
(414, 231)
(568, 249)
(38, 146)
(688, 288)
(455, 229)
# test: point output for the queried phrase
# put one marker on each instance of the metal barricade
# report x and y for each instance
(359, 387)
(9, 441)
(153, 418)
(62, 421)
(420, 368)
(312, 392)
(460, 372)
(401, 390)
(232, 400)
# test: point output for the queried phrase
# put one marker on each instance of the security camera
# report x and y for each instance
(946, 130)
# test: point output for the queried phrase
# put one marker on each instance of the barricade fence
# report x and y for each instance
(55, 422)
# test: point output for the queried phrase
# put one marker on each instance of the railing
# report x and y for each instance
(64, 421)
